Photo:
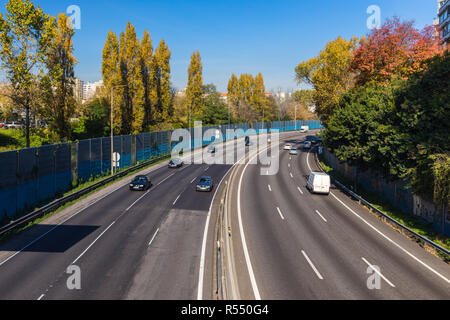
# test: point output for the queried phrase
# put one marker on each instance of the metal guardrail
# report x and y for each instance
(73, 196)
(384, 215)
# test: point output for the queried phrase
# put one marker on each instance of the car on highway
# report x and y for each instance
(2, 125)
(319, 182)
(294, 152)
(140, 183)
(205, 184)
(212, 149)
(304, 129)
(288, 146)
(307, 145)
(248, 142)
(176, 163)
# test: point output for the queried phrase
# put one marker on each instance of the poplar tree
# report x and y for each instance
(194, 90)
(146, 55)
(111, 75)
(131, 79)
(233, 93)
(160, 82)
(58, 83)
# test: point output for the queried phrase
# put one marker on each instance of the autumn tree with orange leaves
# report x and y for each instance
(396, 50)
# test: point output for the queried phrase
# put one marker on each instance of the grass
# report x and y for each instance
(17, 231)
(412, 222)
(14, 139)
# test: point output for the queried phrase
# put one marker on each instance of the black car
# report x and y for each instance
(176, 163)
(211, 149)
(140, 183)
(205, 184)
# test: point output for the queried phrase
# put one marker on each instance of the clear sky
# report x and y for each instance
(233, 36)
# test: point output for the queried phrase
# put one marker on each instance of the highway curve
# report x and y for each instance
(293, 245)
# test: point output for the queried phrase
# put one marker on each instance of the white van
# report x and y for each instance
(319, 182)
(304, 129)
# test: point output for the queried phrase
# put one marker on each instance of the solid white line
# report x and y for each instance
(307, 161)
(41, 296)
(205, 238)
(379, 273)
(312, 265)
(61, 223)
(279, 212)
(391, 241)
(244, 242)
(176, 200)
(300, 190)
(154, 236)
(79, 257)
(270, 188)
(193, 180)
(317, 211)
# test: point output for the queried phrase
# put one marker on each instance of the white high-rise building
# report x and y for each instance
(78, 89)
(90, 88)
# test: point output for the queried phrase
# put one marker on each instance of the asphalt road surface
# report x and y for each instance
(294, 245)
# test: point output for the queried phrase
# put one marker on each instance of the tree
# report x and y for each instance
(160, 83)
(133, 113)
(397, 49)
(259, 100)
(146, 59)
(111, 74)
(194, 92)
(215, 111)
(329, 74)
(58, 83)
(233, 93)
(22, 49)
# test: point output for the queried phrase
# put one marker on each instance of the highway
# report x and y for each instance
(159, 245)
(289, 244)
(127, 245)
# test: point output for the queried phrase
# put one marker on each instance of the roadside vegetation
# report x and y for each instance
(384, 103)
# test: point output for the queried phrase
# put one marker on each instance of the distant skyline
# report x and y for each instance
(271, 37)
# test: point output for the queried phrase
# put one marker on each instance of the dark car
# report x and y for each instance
(211, 149)
(140, 183)
(176, 163)
(205, 184)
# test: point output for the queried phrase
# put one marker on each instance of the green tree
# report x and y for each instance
(58, 97)
(329, 74)
(146, 59)
(215, 110)
(233, 93)
(160, 83)
(111, 75)
(22, 49)
(133, 113)
(194, 92)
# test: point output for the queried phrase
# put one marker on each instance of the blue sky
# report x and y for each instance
(233, 36)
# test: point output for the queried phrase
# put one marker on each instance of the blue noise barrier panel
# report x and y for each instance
(84, 160)
(126, 152)
(46, 173)
(8, 183)
(96, 157)
(106, 155)
(27, 174)
(63, 169)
